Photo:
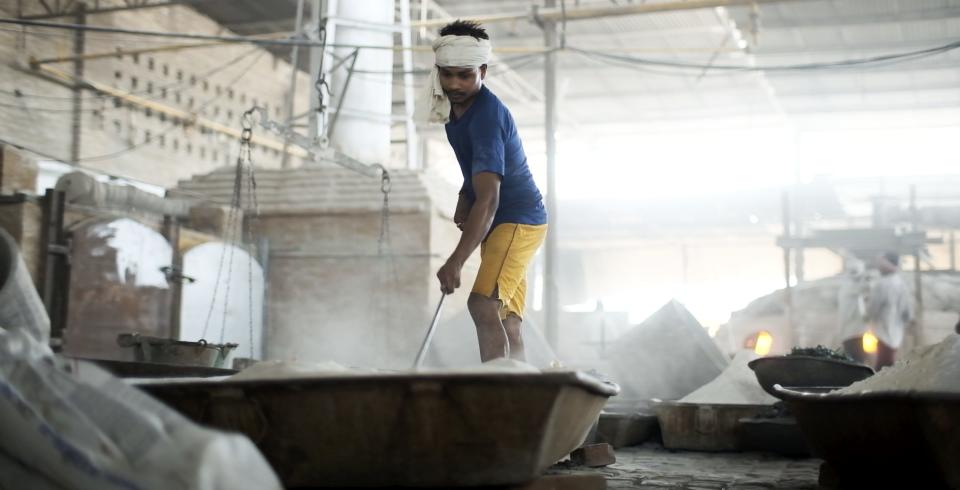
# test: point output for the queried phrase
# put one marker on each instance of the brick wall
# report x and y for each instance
(165, 149)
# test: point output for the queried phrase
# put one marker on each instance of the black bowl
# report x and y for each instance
(804, 371)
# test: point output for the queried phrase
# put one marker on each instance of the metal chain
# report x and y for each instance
(321, 82)
(244, 183)
(254, 218)
(385, 187)
(236, 204)
(228, 238)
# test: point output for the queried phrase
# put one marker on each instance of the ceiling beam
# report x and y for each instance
(70, 9)
(817, 91)
(590, 12)
(900, 17)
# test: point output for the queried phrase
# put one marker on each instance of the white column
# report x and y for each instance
(363, 126)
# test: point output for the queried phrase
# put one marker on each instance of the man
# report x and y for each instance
(851, 308)
(500, 208)
(890, 309)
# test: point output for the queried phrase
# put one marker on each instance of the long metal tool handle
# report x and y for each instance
(429, 337)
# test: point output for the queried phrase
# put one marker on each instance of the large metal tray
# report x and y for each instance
(402, 429)
(883, 440)
(703, 426)
(803, 371)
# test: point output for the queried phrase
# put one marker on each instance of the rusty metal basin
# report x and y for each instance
(177, 352)
(882, 439)
(439, 430)
(702, 426)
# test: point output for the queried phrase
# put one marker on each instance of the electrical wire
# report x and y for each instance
(182, 35)
(629, 59)
(910, 55)
(151, 43)
(173, 126)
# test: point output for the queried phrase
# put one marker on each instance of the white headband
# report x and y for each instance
(450, 51)
(461, 51)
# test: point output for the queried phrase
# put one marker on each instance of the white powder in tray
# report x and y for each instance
(932, 368)
(736, 385)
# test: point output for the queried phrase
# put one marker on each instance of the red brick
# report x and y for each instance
(593, 455)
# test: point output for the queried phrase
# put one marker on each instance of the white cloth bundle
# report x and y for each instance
(450, 51)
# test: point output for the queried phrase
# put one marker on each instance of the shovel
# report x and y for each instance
(429, 337)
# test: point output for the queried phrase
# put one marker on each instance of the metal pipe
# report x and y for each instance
(107, 10)
(788, 291)
(953, 251)
(174, 35)
(544, 15)
(552, 14)
(292, 90)
(406, 43)
(917, 273)
(551, 301)
(76, 116)
(433, 327)
(171, 231)
(343, 94)
(316, 64)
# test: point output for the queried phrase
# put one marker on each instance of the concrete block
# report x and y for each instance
(211, 219)
(18, 172)
(593, 455)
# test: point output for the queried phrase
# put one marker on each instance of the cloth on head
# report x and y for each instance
(450, 51)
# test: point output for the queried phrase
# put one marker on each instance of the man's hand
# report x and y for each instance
(449, 276)
(475, 228)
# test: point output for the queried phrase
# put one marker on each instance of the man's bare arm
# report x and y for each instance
(463, 210)
(486, 186)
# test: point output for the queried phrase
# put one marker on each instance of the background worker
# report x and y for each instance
(890, 309)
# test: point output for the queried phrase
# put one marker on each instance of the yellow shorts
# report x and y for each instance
(504, 257)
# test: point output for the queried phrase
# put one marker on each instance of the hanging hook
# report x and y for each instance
(385, 183)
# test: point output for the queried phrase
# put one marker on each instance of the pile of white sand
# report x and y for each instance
(931, 368)
(302, 369)
(736, 385)
(293, 369)
(499, 365)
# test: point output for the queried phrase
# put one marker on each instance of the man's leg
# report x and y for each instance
(490, 332)
(512, 324)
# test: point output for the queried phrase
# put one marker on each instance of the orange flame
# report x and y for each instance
(764, 343)
(870, 343)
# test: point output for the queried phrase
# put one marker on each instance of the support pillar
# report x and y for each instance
(76, 115)
(551, 303)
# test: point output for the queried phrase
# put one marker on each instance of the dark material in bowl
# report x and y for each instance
(882, 440)
(802, 371)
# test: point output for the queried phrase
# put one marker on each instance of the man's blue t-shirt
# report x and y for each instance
(485, 139)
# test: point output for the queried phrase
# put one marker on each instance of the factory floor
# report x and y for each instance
(650, 466)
